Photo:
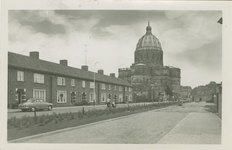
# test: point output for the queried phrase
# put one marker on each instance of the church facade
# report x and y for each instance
(148, 76)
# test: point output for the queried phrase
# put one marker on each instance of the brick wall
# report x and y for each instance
(51, 87)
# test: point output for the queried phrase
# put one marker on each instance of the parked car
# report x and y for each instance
(34, 104)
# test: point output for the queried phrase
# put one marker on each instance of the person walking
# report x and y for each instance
(113, 104)
(108, 102)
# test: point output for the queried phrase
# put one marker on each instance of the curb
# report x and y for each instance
(77, 127)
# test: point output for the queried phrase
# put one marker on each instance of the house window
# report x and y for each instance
(115, 87)
(91, 85)
(103, 97)
(84, 96)
(103, 86)
(120, 88)
(61, 97)
(83, 84)
(20, 76)
(72, 82)
(109, 87)
(129, 89)
(60, 81)
(125, 88)
(39, 93)
(38, 78)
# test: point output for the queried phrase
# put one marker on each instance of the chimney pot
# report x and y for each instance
(112, 75)
(85, 68)
(100, 71)
(64, 62)
(34, 54)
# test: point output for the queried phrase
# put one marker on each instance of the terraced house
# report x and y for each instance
(60, 84)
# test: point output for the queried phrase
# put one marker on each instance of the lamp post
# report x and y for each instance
(94, 90)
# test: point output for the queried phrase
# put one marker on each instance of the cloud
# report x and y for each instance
(173, 14)
(184, 38)
(199, 29)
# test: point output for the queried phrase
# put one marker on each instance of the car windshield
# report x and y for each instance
(31, 100)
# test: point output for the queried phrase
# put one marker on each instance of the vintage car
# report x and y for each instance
(34, 104)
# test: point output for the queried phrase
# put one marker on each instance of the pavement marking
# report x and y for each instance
(175, 127)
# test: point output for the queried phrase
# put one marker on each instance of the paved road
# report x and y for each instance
(18, 113)
(191, 123)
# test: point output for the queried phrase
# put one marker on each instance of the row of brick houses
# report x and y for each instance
(60, 84)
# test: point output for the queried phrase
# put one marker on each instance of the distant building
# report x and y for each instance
(148, 76)
(206, 92)
(185, 92)
(60, 84)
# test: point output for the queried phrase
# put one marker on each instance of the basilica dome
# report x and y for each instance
(148, 41)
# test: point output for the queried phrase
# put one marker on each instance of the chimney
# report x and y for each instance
(85, 68)
(34, 54)
(100, 71)
(64, 62)
(112, 75)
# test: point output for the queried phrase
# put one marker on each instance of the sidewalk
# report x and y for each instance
(57, 108)
(196, 128)
(86, 106)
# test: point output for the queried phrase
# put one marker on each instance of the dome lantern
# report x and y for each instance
(148, 28)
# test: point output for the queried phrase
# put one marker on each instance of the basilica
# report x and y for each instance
(148, 76)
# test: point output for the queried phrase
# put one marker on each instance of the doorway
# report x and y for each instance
(20, 96)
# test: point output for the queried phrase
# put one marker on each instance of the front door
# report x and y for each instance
(20, 96)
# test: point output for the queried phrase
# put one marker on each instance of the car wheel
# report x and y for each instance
(33, 109)
(49, 107)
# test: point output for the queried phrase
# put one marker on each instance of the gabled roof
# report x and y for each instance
(26, 62)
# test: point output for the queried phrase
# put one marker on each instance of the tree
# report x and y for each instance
(168, 91)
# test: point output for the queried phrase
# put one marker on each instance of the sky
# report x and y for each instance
(107, 39)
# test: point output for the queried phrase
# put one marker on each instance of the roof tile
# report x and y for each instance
(22, 61)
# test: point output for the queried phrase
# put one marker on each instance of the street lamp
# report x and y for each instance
(94, 91)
